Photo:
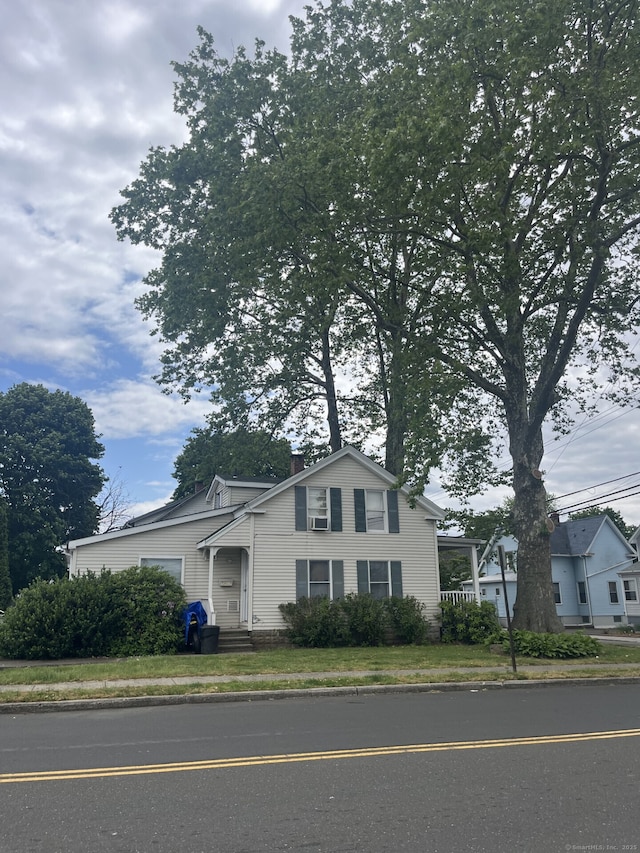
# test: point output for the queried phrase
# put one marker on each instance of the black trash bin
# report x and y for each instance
(209, 635)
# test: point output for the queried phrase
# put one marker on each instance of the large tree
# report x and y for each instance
(48, 478)
(243, 452)
(458, 180)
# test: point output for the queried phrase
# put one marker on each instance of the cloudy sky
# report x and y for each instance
(85, 89)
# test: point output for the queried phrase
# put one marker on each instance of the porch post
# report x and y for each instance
(474, 573)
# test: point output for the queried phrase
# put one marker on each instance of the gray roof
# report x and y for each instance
(574, 538)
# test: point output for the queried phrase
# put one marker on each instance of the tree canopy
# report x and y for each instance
(248, 453)
(435, 200)
(47, 478)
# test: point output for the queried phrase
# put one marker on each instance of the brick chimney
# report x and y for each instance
(297, 463)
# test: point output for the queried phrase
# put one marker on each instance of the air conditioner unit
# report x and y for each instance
(319, 522)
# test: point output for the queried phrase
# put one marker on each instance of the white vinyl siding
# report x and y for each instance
(278, 545)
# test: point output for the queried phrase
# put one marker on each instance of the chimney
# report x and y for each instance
(555, 517)
(297, 463)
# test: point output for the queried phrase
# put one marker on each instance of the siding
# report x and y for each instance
(177, 540)
(278, 545)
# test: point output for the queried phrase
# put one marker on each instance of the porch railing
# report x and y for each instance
(457, 595)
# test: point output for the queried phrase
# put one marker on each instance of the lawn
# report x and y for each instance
(293, 661)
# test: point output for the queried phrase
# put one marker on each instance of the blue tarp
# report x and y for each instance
(194, 612)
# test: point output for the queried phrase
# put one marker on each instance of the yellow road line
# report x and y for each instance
(289, 758)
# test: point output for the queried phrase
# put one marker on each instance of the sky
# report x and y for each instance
(86, 89)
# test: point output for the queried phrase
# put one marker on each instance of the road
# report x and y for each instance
(531, 769)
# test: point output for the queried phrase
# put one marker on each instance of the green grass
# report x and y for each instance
(446, 657)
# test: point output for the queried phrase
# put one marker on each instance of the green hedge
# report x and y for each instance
(469, 622)
(138, 611)
(355, 620)
(532, 645)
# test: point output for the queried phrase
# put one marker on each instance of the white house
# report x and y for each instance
(246, 545)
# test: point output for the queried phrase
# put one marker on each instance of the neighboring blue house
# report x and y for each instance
(595, 573)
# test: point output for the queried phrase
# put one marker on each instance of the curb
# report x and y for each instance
(292, 693)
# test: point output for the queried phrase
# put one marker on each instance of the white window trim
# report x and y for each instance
(633, 588)
(327, 498)
(377, 583)
(584, 584)
(617, 591)
(309, 581)
(559, 590)
(157, 559)
(385, 510)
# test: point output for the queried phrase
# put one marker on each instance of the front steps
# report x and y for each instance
(234, 641)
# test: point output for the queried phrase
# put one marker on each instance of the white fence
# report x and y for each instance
(457, 595)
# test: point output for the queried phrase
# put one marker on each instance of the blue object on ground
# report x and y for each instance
(194, 614)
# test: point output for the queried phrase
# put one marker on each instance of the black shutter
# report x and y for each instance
(336, 510)
(301, 507)
(302, 579)
(337, 572)
(396, 578)
(360, 510)
(394, 516)
(363, 576)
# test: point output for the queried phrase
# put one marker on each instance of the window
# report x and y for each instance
(319, 578)
(582, 592)
(613, 592)
(556, 593)
(380, 578)
(318, 508)
(171, 565)
(376, 511)
(217, 500)
(630, 590)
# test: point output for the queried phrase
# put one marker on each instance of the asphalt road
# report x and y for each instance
(533, 769)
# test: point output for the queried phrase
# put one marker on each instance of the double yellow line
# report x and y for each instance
(290, 758)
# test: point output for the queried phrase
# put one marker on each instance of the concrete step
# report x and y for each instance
(234, 642)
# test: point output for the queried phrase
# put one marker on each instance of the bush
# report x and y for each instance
(366, 619)
(315, 623)
(532, 645)
(469, 622)
(356, 620)
(137, 611)
(407, 619)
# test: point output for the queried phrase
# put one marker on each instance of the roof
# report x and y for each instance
(575, 538)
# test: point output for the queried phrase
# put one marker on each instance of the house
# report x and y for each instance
(246, 545)
(594, 572)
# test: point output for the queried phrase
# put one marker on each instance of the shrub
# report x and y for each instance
(532, 645)
(356, 620)
(469, 622)
(137, 611)
(366, 618)
(315, 623)
(406, 616)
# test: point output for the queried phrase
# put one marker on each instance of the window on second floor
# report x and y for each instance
(318, 508)
(376, 510)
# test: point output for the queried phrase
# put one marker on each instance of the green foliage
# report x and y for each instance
(454, 569)
(5, 577)
(244, 452)
(366, 618)
(315, 623)
(469, 622)
(533, 645)
(47, 442)
(406, 616)
(134, 612)
(356, 620)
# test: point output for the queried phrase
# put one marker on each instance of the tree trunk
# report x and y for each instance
(534, 608)
(333, 417)
(395, 397)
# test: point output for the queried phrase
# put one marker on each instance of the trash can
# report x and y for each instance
(209, 635)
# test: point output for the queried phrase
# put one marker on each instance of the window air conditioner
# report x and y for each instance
(319, 522)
